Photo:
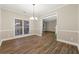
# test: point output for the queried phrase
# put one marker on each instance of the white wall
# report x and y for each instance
(8, 25)
(78, 26)
(67, 24)
(0, 27)
(51, 25)
(38, 27)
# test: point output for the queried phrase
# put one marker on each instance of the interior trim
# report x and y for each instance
(75, 44)
(19, 36)
(68, 31)
(14, 38)
(0, 42)
(78, 47)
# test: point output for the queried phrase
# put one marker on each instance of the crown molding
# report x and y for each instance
(52, 12)
(17, 12)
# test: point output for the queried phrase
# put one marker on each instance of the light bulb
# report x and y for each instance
(32, 18)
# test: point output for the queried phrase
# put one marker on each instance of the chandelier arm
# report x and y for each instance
(33, 17)
(33, 11)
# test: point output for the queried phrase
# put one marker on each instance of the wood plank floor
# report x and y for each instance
(46, 44)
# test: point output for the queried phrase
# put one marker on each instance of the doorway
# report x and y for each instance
(49, 25)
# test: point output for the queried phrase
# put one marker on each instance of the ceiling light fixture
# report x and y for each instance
(33, 17)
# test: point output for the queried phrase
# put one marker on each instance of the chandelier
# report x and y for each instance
(33, 17)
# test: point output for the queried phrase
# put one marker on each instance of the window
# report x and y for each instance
(26, 27)
(19, 27)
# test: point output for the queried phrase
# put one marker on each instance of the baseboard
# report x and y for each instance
(78, 47)
(0, 42)
(71, 43)
(16, 37)
(40, 34)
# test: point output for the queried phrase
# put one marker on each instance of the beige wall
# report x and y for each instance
(8, 23)
(0, 26)
(67, 24)
(0, 19)
(66, 29)
(78, 26)
(36, 27)
(67, 18)
(51, 25)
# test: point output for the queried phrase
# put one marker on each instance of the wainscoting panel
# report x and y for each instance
(70, 37)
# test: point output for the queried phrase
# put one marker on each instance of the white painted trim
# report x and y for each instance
(68, 31)
(11, 38)
(20, 36)
(14, 11)
(78, 47)
(52, 12)
(75, 44)
(67, 42)
(0, 42)
(57, 26)
(40, 34)
(22, 27)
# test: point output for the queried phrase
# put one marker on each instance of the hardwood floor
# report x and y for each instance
(46, 44)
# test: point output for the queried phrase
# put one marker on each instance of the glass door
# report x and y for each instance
(18, 27)
(26, 27)
(21, 27)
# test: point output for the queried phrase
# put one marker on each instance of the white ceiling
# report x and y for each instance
(27, 9)
(50, 18)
